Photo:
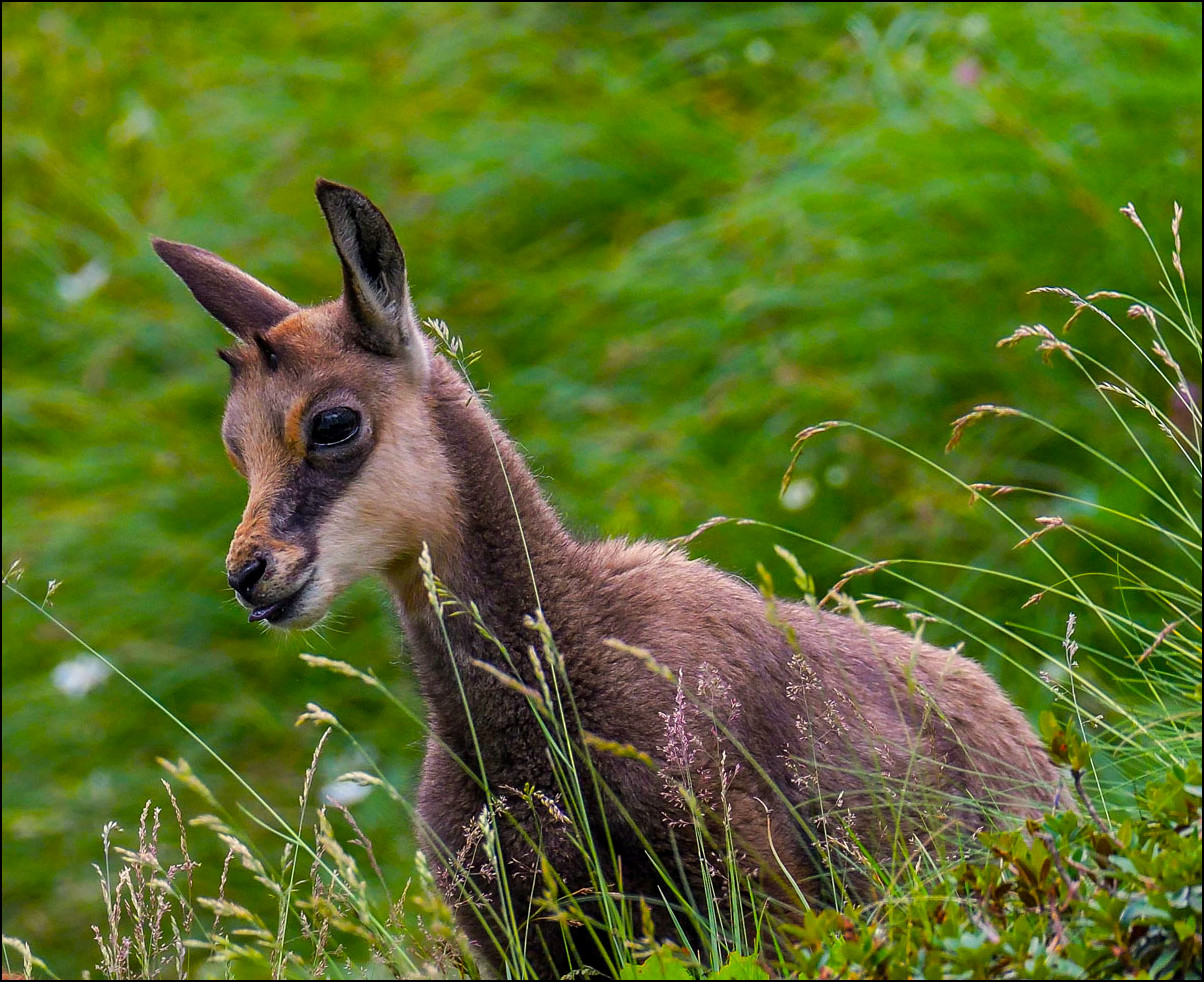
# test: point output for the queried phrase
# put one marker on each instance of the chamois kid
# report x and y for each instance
(810, 748)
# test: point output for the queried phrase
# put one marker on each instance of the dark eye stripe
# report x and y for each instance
(332, 427)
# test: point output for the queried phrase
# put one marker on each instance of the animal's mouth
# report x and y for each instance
(280, 610)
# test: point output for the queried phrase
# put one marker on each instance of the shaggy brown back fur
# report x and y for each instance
(828, 743)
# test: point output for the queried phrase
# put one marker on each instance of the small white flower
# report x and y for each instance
(798, 494)
(80, 675)
(76, 287)
(345, 792)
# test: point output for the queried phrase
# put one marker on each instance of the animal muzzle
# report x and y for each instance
(268, 575)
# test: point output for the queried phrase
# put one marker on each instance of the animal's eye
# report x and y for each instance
(333, 426)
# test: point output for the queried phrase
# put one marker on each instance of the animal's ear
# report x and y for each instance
(374, 275)
(244, 306)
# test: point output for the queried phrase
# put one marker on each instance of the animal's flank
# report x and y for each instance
(812, 745)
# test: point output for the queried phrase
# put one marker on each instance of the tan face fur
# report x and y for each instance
(323, 517)
(328, 419)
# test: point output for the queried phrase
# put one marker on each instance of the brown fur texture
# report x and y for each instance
(828, 746)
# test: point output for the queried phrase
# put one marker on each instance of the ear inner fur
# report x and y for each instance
(270, 357)
(375, 289)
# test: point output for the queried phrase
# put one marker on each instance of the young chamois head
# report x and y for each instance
(327, 419)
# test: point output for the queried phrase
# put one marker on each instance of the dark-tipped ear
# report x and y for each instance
(374, 274)
(244, 306)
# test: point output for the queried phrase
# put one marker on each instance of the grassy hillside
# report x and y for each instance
(678, 234)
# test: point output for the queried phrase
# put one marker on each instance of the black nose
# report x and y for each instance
(246, 578)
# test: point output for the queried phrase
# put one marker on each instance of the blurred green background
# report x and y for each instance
(677, 232)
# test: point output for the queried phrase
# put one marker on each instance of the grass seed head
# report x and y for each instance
(1131, 213)
(973, 416)
(1048, 523)
(316, 714)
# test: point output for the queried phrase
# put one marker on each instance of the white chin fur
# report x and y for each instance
(307, 613)
(309, 608)
(299, 621)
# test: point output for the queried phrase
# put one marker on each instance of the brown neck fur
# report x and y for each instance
(487, 563)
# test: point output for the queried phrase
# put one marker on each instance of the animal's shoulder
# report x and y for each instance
(660, 579)
(685, 612)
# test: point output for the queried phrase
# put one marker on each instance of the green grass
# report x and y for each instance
(1112, 889)
(674, 252)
